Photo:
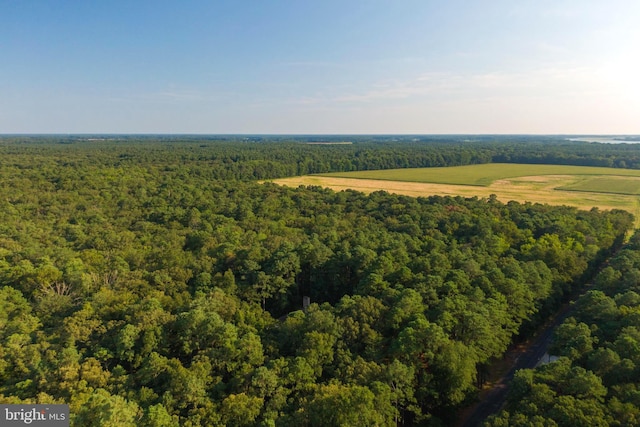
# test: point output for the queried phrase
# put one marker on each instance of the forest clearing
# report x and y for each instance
(579, 186)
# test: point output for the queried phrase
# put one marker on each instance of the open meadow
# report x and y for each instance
(580, 186)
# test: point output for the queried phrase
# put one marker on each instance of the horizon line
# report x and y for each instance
(308, 134)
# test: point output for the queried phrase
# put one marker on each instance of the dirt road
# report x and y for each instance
(526, 358)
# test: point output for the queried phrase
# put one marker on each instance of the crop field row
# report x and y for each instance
(607, 184)
(583, 187)
(486, 174)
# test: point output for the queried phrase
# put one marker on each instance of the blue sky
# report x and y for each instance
(349, 66)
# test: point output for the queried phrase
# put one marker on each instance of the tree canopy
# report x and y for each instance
(155, 282)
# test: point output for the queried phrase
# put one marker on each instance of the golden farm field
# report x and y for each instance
(580, 186)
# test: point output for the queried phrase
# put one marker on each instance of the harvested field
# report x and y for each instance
(582, 190)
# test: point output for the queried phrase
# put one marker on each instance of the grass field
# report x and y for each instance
(484, 174)
(607, 184)
(583, 187)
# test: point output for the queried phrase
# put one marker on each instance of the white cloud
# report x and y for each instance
(551, 82)
(560, 99)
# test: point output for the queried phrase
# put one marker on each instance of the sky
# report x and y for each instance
(320, 67)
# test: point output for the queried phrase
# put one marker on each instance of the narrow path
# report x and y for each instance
(523, 357)
(534, 350)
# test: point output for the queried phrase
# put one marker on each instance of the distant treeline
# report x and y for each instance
(250, 158)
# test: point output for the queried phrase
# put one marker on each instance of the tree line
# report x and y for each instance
(258, 158)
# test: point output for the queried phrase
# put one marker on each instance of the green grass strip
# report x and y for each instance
(486, 174)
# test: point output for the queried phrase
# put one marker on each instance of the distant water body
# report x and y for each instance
(608, 139)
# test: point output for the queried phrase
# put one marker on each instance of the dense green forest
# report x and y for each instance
(251, 158)
(155, 282)
(595, 381)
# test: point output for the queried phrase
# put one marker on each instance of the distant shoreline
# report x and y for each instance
(329, 143)
(608, 140)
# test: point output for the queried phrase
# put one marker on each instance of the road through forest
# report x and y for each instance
(527, 358)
